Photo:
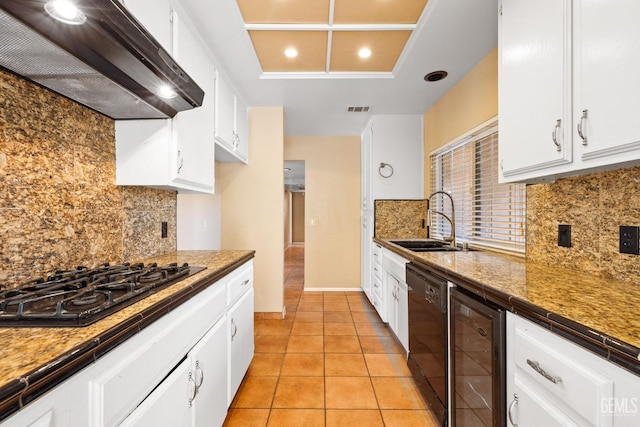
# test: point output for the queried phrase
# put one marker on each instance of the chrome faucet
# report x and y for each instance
(452, 220)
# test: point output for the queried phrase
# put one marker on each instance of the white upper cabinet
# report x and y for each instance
(567, 87)
(155, 16)
(173, 153)
(535, 86)
(193, 130)
(606, 86)
(231, 124)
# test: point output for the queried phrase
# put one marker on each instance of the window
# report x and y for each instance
(487, 213)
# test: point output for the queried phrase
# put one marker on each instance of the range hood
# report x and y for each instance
(109, 62)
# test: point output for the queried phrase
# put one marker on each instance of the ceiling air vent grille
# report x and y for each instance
(358, 109)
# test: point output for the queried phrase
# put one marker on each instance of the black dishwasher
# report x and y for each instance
(428, 337)
(477, 337)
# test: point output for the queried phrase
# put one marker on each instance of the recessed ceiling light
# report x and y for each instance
(166, 92)
(291, 52)
(287, 169)
(435, 76)
(65, 11)
(365, 52)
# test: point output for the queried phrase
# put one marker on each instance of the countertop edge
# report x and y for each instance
(611, 348)
(23, 390)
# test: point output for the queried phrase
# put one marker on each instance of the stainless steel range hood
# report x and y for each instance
(109, 63)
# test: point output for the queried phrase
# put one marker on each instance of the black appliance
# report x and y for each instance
(106, 61)
(477, 338)
(83, 295)
(427, 359)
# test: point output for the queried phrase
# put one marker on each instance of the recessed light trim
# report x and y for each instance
(65, 11)
(287, 169)
(435, 76)
(364, 53)
(291, 52)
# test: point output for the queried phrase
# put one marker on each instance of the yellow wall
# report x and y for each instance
(332, 199)
(287, 217)
(469, 103)
(297, 217)
(252, 211)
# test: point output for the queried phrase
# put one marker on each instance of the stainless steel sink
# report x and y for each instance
(425, 245)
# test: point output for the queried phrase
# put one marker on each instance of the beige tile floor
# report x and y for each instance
(330, 362)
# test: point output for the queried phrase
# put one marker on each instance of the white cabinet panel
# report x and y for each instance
(193, 130)
(535, 85)
(155, 16)
(209, 365)
(607, 66)
(169, 404)
(231, 124)
(240, 334)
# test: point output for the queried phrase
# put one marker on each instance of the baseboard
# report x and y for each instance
(332, 289)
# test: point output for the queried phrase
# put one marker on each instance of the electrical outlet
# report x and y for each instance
(564, 235)
(629, 241)
(164, 229)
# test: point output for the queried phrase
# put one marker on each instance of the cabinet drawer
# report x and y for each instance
(240, 281)
(377, 271)
(563, 370)
(377, 288)
(377, 253)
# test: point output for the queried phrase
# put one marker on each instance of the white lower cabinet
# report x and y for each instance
(393, 267)
(175, 372)
(388, 293)
(552, 381)
(240, 337)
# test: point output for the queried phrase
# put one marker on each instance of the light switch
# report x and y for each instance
(314, 221)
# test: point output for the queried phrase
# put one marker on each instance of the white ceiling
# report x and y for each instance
(452, 35)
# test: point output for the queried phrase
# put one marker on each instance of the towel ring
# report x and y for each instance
(384, 166)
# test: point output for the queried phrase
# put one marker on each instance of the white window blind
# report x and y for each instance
(487, 213)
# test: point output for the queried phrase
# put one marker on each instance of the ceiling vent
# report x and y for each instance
(358, 109)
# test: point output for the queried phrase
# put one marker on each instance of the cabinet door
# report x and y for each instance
(534, 87)
(392, 302)
(242, 130)
(528, 408)
(193, 132)
(240, 336)
(210, 370)
(402, 329)
(224, 113)
(606, 67)
(155, 16)
(169, 404)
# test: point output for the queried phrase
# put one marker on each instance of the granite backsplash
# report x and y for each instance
(59, 205)
(400, 219)
(595, 206)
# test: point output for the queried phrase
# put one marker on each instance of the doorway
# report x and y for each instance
(294, 221)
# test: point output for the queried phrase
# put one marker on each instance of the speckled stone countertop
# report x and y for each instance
(32, 360)
(600, 314)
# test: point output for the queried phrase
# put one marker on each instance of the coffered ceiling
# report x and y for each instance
(407, 39)
(327, 35)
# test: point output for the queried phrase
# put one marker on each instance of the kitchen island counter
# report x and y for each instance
(598, 313)
(33, 360)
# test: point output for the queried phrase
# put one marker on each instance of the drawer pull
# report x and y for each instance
(246, 282)
(536, 367)
(513, 406)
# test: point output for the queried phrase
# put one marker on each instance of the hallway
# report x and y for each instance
(331, 362)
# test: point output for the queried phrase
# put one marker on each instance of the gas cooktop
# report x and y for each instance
(81, 296)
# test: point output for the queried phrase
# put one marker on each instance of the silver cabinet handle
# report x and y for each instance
(235, 329)
(180, 161)
(201, 380)
(581, 131)
(554, 135)
(536, 367)
(246, 282)
(513, 406)
(195, 390)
